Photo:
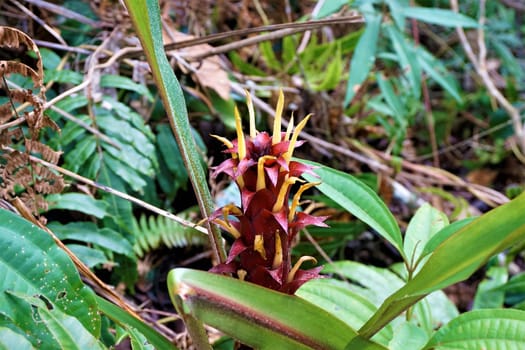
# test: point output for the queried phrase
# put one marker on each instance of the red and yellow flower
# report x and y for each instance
(265, 224)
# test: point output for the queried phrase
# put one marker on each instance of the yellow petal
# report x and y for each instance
(258, 245)
(224, 140)
(241, 145)
(276, 137)
(297, 265)
(228, 227)
(282, 193)
(241, 274)
(251, 113)
(295, 135)
(261, 179)
(297, 197)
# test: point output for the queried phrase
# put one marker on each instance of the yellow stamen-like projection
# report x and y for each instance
(276, 137)
(279, 202)
(227, 210)
(278, 257)
(258, 245)
(261, 183)
(297, 265)
(251, 113)
(241, 274)
(297, 197)
(224, 140)
(295, 135)
(241, 144)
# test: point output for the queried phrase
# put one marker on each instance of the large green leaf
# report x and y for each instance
(10, 339)
(374, 283)
(31, 263)
(145, 16)
(456, 259)
(343, 303)
(66, 330)
(365, 52)
(257, 316)
(358, 199)
(495, 329)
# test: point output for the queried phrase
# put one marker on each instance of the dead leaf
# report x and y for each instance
(208, 71)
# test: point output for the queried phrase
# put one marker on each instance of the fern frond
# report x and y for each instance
(155, 231)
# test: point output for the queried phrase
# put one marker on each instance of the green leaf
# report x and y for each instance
(257, 316)
(437, 71)
(488, 295)
(63, 76)
(441, 17)
(78, 202)
(407, 59)
(89, 233)
(425, 223)
(330, 7)
(89, 256)
(348, 306)
(68, 332)
(145, 16)
(375, 283)
(456, 259)
(32, 263)
(364, 55)
(443, 234)
(123, 318)
(125, 83)
(482, 329)
(408, 336)
(139, 341)
(269, 56)
(9, 340)
(332, 74)
(393, 100)
(358, 199)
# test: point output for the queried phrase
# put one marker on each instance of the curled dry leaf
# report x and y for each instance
(20, 177)
(208, 72)
(16, 48)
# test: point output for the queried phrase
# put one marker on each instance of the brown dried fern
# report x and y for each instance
(19, 177)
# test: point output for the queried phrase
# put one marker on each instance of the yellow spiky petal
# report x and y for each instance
(297, 265)
(282, 193)
(258, 245)
(297, 197)
(228, 227)
(251, 113)
(261, 179)
(288, 154)
(224, 140)
(241, 144)
(276, 137)
(278, 257)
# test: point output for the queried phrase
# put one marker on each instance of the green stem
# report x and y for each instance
(146, 19)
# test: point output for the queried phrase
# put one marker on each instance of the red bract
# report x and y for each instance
(266, 224)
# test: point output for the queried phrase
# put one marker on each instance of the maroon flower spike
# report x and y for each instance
(265, 224)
